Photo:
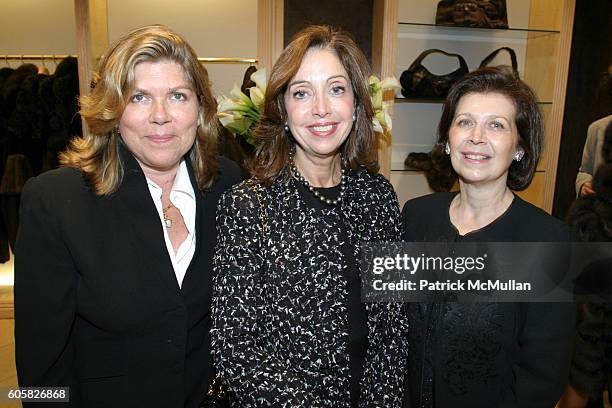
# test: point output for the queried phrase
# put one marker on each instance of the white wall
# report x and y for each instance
(214, 28)
(37, 27)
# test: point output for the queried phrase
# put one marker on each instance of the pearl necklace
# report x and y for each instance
(310, 188)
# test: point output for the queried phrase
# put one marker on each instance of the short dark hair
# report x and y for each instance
(528, 119)
(273, 144)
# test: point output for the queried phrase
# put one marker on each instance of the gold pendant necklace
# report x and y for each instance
(167, 220)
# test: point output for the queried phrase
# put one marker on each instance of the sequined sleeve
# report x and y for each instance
(383, 380)
(256, 377)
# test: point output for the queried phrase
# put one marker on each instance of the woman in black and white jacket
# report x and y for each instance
(289, 327)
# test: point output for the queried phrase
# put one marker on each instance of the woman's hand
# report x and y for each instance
(586, 189)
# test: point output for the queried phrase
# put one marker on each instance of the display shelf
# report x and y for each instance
(540, 33)
(400, 166)
(439, 100)
(475, 33)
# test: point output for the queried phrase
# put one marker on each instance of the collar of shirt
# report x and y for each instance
(182, 196)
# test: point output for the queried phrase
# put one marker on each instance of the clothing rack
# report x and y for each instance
(250, 61)
(55, 57)
(30, 57)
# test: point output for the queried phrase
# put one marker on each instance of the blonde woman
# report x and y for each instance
(113, 258)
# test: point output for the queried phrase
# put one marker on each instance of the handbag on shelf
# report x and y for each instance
(487, 60)
(417, 81)
(472, 13)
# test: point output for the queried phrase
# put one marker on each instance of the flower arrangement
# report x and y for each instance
(240, 113)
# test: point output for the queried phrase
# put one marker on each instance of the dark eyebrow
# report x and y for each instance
(296, 83)
(337, 76)
(184, 87)
(330, 79)
(181, 88)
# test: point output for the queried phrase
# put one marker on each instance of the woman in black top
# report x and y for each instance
(289, 329)
(487, 354)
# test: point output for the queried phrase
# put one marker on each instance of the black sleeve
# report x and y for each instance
(45, 294)
(386, 358)
(231, 173)
(542, 362)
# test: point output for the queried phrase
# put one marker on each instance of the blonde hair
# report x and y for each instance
(97, 154)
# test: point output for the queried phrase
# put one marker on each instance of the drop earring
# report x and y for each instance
(447, 148)
(519, 155)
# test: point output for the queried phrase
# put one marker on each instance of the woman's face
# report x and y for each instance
(483, 138)
(320, 105)
(160, 119)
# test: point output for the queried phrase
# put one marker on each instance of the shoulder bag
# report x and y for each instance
(417, 81)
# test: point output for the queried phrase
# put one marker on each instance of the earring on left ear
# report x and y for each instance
(519, 155)
(354, 116)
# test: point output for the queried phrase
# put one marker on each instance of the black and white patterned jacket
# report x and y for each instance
(280, 330)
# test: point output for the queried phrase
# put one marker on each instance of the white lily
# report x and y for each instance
(377, 126)
(239, 95)
(390, 83)
(260, 78)
(231, 105)
(240, 113)
(257, 96)
(382, 120)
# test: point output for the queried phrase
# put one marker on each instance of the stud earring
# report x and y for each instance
(286, 127)
(354, 117)
(519, 155)
(447, 148)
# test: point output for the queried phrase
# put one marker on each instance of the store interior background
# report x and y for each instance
(230, 28)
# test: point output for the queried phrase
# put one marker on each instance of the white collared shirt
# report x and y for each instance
(182, 197)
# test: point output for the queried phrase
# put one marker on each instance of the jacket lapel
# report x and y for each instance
(136, 210)
(203, 213)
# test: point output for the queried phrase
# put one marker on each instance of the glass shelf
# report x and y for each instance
(402, 167)
(477, 33)
(440, 100)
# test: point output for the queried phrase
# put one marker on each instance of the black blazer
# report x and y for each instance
(97, 304)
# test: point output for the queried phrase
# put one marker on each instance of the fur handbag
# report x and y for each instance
(472, 13)
(417, 81)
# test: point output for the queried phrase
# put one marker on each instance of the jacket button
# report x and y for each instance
(361, 227)
(169, 341)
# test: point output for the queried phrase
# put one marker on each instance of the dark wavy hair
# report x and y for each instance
(274, 145)
(528, 120)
